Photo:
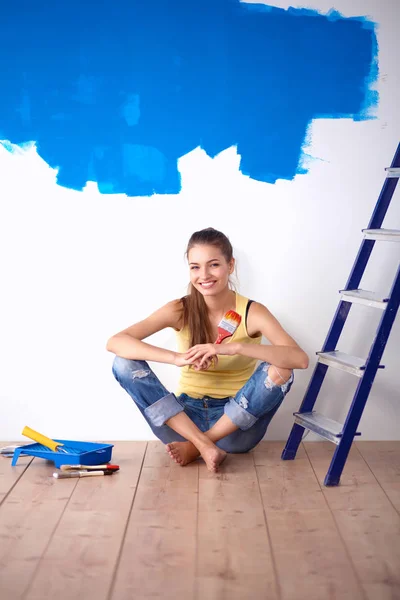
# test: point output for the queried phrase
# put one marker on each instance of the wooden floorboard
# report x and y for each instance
(83, 552)
(383, 460)
(309, 552)
(365, 516)
(28, 517)
(286, 484)
(261, 528)
(158, 557)
(234, 553)
(373, 540)
(358, 487)
(9, 477)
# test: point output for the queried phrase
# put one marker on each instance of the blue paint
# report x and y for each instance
(131, 110)
(117, 91)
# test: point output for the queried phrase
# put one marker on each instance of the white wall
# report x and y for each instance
(78, 267)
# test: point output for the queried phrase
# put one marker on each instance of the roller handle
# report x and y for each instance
(42, 439)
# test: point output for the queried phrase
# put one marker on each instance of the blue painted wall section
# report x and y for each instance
(116, 91)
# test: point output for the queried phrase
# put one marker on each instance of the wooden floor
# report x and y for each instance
(261, 529)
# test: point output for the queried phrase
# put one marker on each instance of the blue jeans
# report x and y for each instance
(251, 410)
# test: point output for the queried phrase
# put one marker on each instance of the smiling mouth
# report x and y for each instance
(207, 284)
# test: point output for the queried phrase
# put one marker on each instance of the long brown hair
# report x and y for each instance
(195, 313)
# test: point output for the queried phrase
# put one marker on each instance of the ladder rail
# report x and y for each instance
(307, 405)
(362, 258)
(385, 196)
(364, 386)
(378, 215)
(336, 329)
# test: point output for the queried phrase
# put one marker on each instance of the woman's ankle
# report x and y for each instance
(203, 442)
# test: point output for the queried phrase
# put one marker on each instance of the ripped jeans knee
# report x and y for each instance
(277, 377)
(127, 368)
(259, 397)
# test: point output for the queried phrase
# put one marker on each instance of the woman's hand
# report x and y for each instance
(209, 352)
(201, 356)
(202, 353)
(180, 360)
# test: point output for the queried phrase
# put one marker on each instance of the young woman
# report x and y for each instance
(223, 403)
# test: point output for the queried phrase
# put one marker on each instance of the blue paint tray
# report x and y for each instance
(76, 453)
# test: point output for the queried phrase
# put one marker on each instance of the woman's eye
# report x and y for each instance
(215, 265)
(191, 268)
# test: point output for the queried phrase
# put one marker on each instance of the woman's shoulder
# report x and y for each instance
(243, 302)
(175, 310)
(168, 315)
(259, 309)
(257, 314)
(176, 304)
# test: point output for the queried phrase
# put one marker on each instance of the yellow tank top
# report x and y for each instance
(231, 372)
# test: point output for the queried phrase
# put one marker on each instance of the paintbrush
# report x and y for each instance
(73, 474)
(228, 325)
(8, 451)
(89, 467)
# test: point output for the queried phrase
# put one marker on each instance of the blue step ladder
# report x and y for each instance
(365, 370)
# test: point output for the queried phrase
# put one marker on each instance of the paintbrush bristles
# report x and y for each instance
(228, 325)
(230, 321)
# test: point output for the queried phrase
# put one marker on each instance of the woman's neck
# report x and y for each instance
(218, 305)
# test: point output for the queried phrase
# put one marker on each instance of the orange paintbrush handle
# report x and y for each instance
(221, 336)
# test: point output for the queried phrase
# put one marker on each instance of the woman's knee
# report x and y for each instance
(127, 368)
(277, 376)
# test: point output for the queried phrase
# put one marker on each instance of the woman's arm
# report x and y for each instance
(284, 352)
(128, 343)
(285, 357)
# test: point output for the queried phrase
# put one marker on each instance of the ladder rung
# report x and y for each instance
(364, 297)
(385, 235)
(323, 426)
(392, 172)
(344, 362)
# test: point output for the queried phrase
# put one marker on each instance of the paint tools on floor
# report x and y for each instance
(89, 467)
(63, 452)
(60, 454)
(72, 471)
(228, 325)
(8, 451)
(44, 440)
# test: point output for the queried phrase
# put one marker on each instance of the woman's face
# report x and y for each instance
(209, 270)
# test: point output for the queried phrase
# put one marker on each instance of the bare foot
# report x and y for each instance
(186, 452)
(213, 456)
(182, 452)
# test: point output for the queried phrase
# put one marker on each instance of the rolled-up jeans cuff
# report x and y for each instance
(238, 415)
(163, 409)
